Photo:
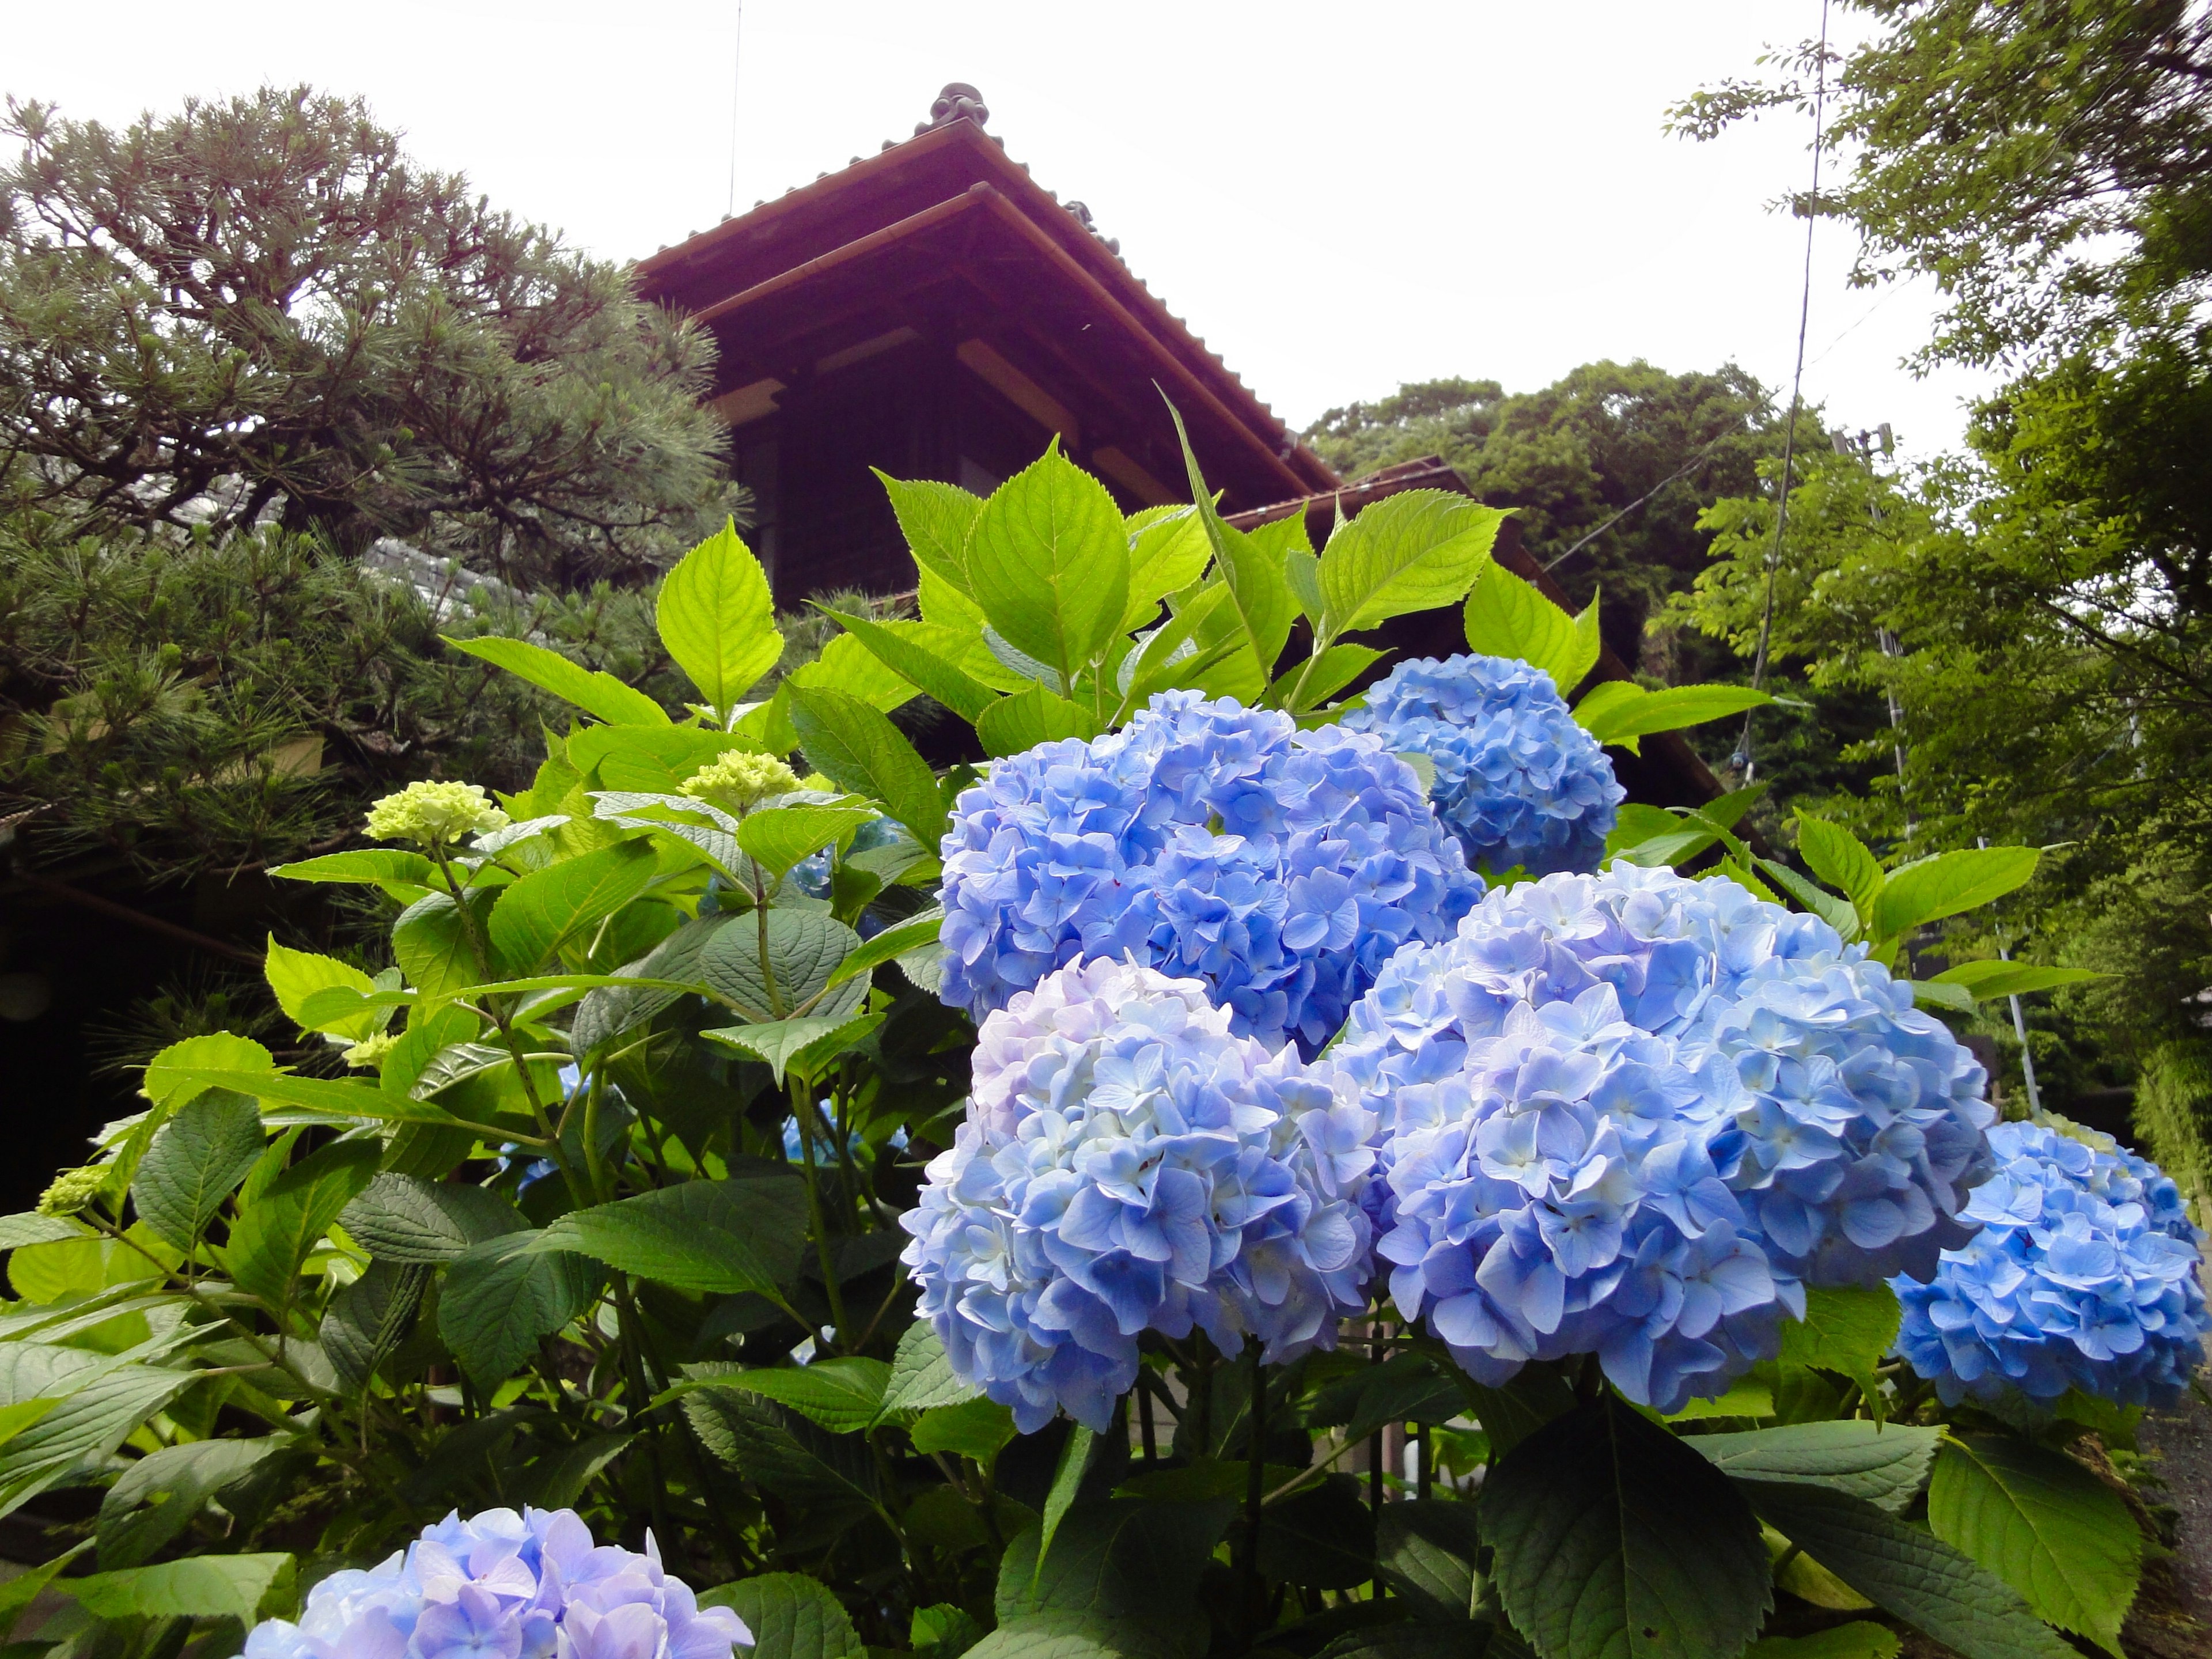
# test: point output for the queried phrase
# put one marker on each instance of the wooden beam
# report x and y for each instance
(913, 225)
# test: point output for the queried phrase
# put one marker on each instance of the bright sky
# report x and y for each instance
(1336, 198)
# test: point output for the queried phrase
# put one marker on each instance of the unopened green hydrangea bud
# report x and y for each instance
(739, 782)
(370, 1051)
(72, 1189)
(433, 812)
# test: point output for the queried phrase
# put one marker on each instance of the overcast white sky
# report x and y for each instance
(1336, 197)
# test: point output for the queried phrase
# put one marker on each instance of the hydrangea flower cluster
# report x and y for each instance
(504, 1586)
(2084, 1275)
(1128, 1164)
(434, 813)
(1282, 868)
(1517, 780)
(739, 781)
(1632, 1114)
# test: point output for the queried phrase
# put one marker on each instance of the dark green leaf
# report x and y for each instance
(1075, 1459)
(791, 1617)
(842, 1394)
(1122, 1580)
(744, 1234)
(922, 1374)
(499, 1297)
(1856, 1640)
(1323, 1538)
(894, 941)
(804, 948)
(2045, 1525)
(183, 1477)
(196, 1160)
(1884, 1463)
(606, 1014)
(367, 1321)
(274, 1232)
(1511, 1414)
(197, 1587)
(1411, 1387)
(403, 1219)
(1615, 1538)
(32, 1228)
(1905, 1572)
(1428, 1550)
(87, 1425)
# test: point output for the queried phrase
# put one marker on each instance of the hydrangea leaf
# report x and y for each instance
(1407, 1387)
(742, 1234)
(1613, 1537)
(295, 976)
(196, 1587)
(646, 759)
(716, 618)
(803, 949)
(938, 659)
(1947, 884)
(977, 1428)
(1907, 1572)
(1416, 550)
(911, 934)
(1856, 1640)
(1168, 551)
(591, 690)
(401, 1219)
(922, 1375)
(370, 867)
(936, 519)
(1507, 616)
(1884, 1463)
(367, 1321)
(1049, 561)
(842, 1394)
(1428, 1549)
(196, 1161)
(2045, 1525)
(1840, 859)
(1996, 977)
(1322, 1538)
(170, 1078)
(90, 1424)
(1846, 1330)
(800, 1047)
(1121, 1581)
(1258, 594)
(859, 750)
(1028, 718)
(532, 917)
(133, 1526)
(275, 1231)
(499, 1297)
(791, 1617)
(778, 837)
(432, 945)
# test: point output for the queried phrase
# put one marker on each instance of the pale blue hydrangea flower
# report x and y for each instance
(1609, 1092)
(1281, 867)
(2085, 1275)
(500, 1585)
(1517, 780)
(1128, 1164)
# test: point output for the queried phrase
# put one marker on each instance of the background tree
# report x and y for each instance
(259, 310)
(1609, 467)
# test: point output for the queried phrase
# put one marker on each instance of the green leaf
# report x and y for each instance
(859, 750)
(431, 943)
(274, 1233)
(947, 1631)
(2043, 1524)
(922, 1375)
(743, 1234)
(790, 1616)
(1428, 1549)
(1623, 717)
(778, 837)
(1121, 1581)
(1328, 674)
(499, 1297)
(910, 935)
(1413, 551)
(1511, 1414)
(1744, 1398)
(1168, 551)
(933, 657)
(18, 1592)
(1840, 859)
(1996, 977)
(534, 915)
(831, 1478)
(29, 1227)
(1884, 1463)
(936, 519)
(590, 690)
(1934, 994)
(974, 1428)
(1506, 616)
(1251, 573)
(1613, 1537)
(197, 1587)
(1837, 912)
(842, 1394)
(1322, 1538)
(370, 867)
(848, 667)
(170, 1075)
(646, 759)
(1029, 718)
(1048, 562)
(366, 1321)
(804, 948)
(86, 1427)
(295, 976)
(317, 1094)
(133, 1527)
(1856, 1640)
(197, 1157)
(717, 620)
(1847, 1331)
(1074, 1463)
(1905, 1572)
(1948, 884)
(803, 1047)
(401, 1219)
(1408, 1388)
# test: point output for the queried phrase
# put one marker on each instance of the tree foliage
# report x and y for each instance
(261, 311)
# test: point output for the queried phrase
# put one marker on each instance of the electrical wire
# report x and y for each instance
(737, 62)
(1743, 757)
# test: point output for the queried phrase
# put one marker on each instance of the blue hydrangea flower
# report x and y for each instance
(856, 1144)
(1518, 782)
(1127, 1164)
(2085, 1275)
(500, 1585)
(1615, 1104)
(1283, 868)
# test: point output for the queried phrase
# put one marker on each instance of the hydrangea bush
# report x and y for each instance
(1281, 867)
(2086, 1274)
(654, 1180)
(1518, 783)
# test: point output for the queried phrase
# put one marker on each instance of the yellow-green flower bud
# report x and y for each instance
(370, 1051)
(739, 782)
(430, 813)
(72, 1189)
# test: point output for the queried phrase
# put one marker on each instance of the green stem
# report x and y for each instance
(803, 1109)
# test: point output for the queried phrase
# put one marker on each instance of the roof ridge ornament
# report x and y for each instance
(958, 101)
